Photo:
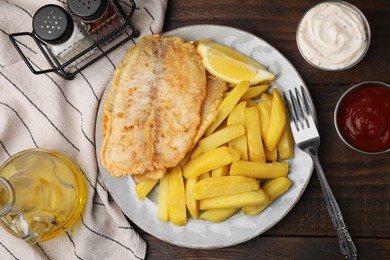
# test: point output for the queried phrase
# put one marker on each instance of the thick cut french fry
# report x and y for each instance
(274, 188)
(224, 185)
(264, 107)
(271, 155)
(266, 97)
(205, 176)
(259, 170)
(210, 160)
(255, 92)
(250, 103)
(197, 151)
(177, 210)
(240, 200)
(253, 135)
(228, 104)
(240, 144)
(254, 210)
(218, 215)
(237, 116)
(221, 171)
(286, 143)
(221, 137)
(144, 187)
(162, 200)
(277, 120)
(191, 202)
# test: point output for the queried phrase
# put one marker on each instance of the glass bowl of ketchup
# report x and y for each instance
(362, 117)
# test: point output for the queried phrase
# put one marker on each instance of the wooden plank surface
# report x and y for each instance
(275, 248)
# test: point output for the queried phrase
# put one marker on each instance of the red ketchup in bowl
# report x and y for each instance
(363, 117)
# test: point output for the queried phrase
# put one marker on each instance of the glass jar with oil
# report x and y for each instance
(42, 193)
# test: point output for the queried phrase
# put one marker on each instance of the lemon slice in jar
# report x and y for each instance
(230, 65)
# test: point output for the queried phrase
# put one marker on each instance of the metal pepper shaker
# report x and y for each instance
(99, 17)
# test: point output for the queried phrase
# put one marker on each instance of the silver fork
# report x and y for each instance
(307, 138)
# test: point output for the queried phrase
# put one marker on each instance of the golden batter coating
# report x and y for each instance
(215, 91)
(153, 110)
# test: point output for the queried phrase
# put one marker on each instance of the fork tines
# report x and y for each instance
(299, 108)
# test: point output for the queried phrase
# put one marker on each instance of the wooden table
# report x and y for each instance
(361, 183)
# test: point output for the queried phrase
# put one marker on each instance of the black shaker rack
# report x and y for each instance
(66, 70)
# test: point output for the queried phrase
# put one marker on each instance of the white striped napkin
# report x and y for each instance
(46, 111)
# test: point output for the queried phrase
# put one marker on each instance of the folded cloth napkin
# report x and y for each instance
(46, 111)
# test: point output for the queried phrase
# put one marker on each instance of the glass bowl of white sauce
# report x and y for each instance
(333, 35)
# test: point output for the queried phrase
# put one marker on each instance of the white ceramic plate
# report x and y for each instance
(239, 228)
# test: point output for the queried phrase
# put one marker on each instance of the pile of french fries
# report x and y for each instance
(239, 164)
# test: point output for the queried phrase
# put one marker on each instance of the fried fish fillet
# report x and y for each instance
(215, 91)
(153, 110)
(153, 175)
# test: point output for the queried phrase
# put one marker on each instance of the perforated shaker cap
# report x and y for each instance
(88, 10)
(52, 24)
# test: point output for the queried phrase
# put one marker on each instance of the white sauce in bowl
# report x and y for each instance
(333, 35)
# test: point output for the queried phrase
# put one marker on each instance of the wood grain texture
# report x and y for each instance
(361, 183)
(275, 248)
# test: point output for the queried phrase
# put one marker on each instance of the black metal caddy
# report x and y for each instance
(63, 69)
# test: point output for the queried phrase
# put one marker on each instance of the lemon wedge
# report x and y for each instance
(230, 65)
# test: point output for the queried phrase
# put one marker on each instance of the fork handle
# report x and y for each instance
(347, 246)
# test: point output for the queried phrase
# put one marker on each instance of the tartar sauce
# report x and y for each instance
(333, 35)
